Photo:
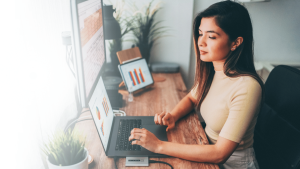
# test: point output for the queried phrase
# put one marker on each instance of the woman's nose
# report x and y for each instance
(201, 41)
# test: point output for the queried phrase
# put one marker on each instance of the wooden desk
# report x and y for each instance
(163, 97)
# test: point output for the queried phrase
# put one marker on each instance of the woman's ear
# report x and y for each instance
(236, 43)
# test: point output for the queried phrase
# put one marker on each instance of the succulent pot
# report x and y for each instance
(81, 165)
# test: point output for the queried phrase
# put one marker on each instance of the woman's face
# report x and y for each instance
(213, 43)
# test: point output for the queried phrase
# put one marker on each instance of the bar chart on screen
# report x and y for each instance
(136, 77)
(105, 106)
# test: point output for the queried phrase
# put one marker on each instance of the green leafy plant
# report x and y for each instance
(65, 149)
(146, 30)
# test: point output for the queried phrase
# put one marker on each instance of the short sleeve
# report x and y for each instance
(244, 105)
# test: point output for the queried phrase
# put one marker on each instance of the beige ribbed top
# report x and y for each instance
(230, 109)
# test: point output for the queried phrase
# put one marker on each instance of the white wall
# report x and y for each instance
(275, 28)
(177, 16)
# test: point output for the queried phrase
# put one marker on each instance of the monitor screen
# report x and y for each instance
(88, 43)
(136, 74)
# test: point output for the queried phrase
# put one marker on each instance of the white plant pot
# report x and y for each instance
(81, 165)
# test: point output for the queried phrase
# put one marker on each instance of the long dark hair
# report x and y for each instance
(235, 21)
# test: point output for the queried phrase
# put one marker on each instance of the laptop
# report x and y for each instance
(114, 131)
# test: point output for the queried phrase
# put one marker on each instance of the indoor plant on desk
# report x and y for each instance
(147, 30)
(66, 151)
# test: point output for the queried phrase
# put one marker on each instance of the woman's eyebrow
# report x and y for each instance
(211, 31)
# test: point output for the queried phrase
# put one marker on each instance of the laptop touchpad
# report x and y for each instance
(158, 130)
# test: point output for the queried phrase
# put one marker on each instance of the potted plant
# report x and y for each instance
(66, 151)
(147, 30)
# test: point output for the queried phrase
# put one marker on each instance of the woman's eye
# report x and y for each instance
(200, 34)
(212, 37)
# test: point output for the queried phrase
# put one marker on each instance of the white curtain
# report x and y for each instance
(36, 84)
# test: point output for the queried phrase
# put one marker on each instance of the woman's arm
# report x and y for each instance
(217, 153)
(180, 110)
(183, 107)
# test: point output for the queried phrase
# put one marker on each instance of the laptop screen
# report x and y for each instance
(136, 74)
(102, 112)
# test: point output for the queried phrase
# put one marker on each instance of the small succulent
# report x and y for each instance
(65, 148)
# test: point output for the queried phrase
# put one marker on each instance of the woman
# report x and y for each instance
(227, 91)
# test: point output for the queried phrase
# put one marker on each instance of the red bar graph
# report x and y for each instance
(132, 78)
(102, 129)
(142, 76)
(137, 77)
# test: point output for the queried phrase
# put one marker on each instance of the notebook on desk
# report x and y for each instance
(114, 131)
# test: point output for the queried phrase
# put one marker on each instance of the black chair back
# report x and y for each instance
(277, 132)
(282, 93)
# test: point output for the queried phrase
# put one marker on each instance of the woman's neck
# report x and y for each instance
(218, 65)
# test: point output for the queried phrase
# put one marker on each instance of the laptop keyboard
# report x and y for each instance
(125, 127)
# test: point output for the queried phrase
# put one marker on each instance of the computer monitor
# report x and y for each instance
(88, 45)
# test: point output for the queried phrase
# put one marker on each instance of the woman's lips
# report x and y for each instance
(202, 52)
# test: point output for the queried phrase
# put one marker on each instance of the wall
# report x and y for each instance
(177, 16)
(275, 29)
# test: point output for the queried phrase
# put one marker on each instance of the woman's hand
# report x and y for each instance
(145, 139)
(165, 119)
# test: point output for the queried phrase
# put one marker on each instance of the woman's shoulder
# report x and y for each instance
(248, 83)
(247, 88)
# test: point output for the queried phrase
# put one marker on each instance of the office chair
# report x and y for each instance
(277, 132)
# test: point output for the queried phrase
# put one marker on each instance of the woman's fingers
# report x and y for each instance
(138, 142)
(160, 116)
(163, 119)
(145, 139)
(136, 136)
(166, 119)
(170, 126)
(137, 130)
(156, 118)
